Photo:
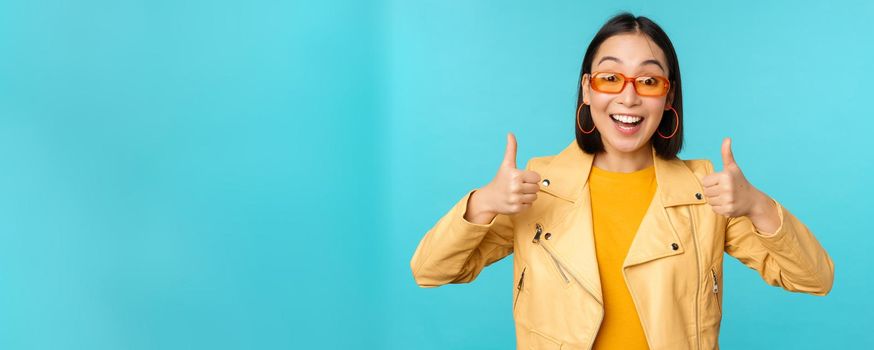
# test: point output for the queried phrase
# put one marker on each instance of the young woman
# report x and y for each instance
(618, 243)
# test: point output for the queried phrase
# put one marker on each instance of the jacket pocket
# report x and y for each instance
(540, 341)
(518, 290)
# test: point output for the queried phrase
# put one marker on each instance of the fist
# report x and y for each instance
(512, 190)
(728, 191)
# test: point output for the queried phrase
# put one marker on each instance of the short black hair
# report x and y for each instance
(621, 24)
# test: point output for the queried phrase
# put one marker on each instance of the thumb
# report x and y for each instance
(727, 156)
(510, 153)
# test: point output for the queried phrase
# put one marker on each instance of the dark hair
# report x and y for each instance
(627, 23)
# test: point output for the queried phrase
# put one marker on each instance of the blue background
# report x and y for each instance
(252, 175)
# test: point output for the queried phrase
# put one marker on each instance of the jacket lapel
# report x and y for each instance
(657, 235)
(567, 174)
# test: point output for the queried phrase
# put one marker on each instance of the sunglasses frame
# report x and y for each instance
(632, 81)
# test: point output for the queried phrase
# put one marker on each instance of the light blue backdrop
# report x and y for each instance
(254, 175)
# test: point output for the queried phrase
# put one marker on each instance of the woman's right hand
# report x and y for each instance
(512, 191)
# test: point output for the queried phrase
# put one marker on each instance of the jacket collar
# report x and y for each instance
(568, 174)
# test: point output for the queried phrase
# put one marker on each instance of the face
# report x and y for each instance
(632, 55)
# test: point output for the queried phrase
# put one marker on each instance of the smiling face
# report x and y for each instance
(626, 120)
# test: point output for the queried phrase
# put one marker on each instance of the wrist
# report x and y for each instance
(480, 203)
(478, 210)
(761, 205)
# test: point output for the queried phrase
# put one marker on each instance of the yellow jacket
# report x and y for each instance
(673, 268)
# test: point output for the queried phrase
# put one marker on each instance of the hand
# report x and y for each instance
(512, 190)
(728, 191)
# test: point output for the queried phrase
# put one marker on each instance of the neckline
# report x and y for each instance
(605, 171)
(644, 173)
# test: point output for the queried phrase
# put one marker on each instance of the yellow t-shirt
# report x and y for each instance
(619, 202)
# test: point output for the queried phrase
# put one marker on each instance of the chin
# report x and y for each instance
(627, 144)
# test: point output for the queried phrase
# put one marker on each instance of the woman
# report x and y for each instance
(618, 243)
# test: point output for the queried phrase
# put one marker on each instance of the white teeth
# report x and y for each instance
(626, 118)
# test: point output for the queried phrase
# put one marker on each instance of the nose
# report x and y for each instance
(628, 96)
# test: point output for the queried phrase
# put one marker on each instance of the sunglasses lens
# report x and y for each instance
(608, 82)
(651, 86)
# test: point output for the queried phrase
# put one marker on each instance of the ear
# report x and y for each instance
(584, 86)
(669, 102)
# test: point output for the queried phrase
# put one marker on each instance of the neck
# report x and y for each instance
(624, 162)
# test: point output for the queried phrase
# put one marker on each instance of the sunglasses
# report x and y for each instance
(614, 83)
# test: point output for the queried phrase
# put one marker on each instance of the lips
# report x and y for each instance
(627, 124)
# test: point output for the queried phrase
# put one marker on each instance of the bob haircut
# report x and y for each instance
(624, 23)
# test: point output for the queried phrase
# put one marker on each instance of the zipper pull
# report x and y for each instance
(715, 282)
(521, 278)
(538, 230)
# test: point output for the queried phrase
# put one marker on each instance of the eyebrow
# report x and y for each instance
(611, 58)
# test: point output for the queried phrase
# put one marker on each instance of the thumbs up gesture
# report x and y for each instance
(728, 191)
(510, 192)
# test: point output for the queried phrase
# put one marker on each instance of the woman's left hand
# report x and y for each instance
(730, 194)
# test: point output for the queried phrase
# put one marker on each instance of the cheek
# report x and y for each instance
(599, 103)
(656, 111)
(601, 100)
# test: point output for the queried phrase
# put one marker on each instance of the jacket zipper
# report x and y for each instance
(538, 231)
(519, 287)
(716, 288)
(697, 275)
(715, 282)
(560, 270)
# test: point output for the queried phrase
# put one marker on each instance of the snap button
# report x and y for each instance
(547, 235)
(698, 195)
(545, 182)
(675, 246)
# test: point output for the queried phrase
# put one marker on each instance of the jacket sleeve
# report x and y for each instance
(790, 258)
(456, 250)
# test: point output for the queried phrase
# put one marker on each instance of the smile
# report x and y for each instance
(626, 119)
(627, 124)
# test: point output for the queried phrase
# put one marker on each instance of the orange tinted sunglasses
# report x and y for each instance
(644, 85)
